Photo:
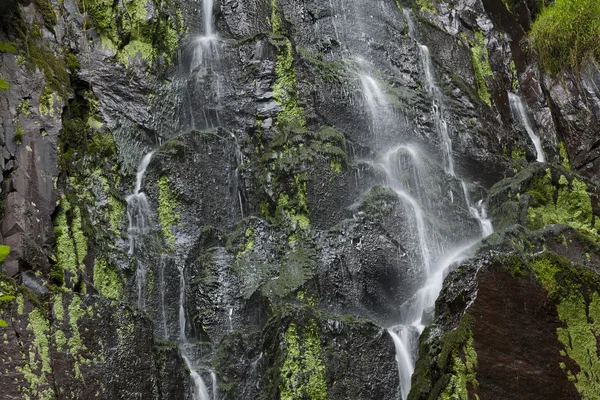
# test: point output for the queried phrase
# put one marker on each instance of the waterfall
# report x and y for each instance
(206, 49)
(200, 390)
(138, 214)
(520, 112)
(404, 169)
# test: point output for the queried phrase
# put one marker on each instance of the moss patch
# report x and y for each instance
(565, 33)
(107, 280)
(569, 203)
(481, 66)
(576, 293)
(147, 29)
(303, 372)
(167, 217)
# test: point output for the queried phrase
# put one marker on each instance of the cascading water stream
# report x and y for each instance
(206, 48)
(200, 391)
(520, 111)
(436, 261)
(138, 214)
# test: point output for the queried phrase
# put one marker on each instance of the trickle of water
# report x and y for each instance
(478, 212)
(138, 210)
(208, 21)
(520, 112)
(206, 48)
(138, 214)
(182, 322)
(200, 390)
(404, 360)
(215, 388)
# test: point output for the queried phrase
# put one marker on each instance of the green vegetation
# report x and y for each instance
(47, 102)
(575, 291)
(3, 84)
(481, 66)
(454, 365)
(8, 47)
(36, 363)
(48, 14)
(129, 29)
(287, 158)
(107, 280)
(38, 56)
(566, 33)
(514, 75)
(303, 372)
(167, 217)
(562, 203)
(19, 133)
(564, 156)
(92, 212)
(426, 5)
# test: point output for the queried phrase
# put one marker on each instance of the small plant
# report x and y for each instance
(4, 250)
(566, 33)
(19, 133)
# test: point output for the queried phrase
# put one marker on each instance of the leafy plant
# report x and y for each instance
(4, 250)
(566, 33)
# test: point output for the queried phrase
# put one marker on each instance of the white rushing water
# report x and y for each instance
(206, 48)
(520, 112)
(200, 390)
(405, 171)
(138, 214)
(138, 211)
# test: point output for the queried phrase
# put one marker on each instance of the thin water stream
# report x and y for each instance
(140, 224)
(520, 111)
(405, 171)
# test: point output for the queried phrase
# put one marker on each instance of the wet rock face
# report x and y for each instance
(510, 358)
(542, 275)
(311, 354)
(54, 344)
(268, 221)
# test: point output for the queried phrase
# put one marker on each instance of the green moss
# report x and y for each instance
(38, 56)
(514, 75)
(303, 373)
(36, 363)
(249, 241)
(65, 248)
(79, 238)
(130, 31)
(75, 344)
(57, 307)
(48, 14)
(24, 107)
(167, 217)
(3, 84)
(580, 315)
(116, 214)
(60, 339)
(572, 206)
(47, 102)
(566, 33)
(8, 47)
(426, 5)
(564, 156)
(20, 304)
(481, 66)
(462, 373)
(107, 280)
